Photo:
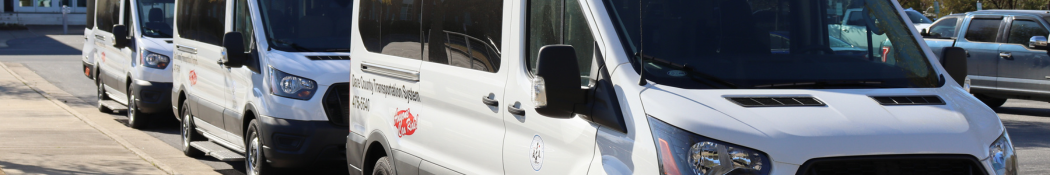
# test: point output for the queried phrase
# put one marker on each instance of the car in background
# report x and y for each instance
(1007, 52)
(920, 21)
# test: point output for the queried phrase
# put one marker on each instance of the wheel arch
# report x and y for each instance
(376, 147)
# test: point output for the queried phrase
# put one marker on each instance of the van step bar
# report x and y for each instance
(114, 106)
(217, 151)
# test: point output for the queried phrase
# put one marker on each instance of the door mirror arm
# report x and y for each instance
(233, 46)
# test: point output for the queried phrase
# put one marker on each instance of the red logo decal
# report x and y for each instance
(405, 122)
(193, 78)
(103, 56)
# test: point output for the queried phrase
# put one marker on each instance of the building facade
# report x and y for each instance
(43, 12)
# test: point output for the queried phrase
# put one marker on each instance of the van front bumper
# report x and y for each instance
(298, 143)
(153, 97)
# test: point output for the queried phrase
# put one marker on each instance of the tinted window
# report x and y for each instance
(463, 33)
(186, 27)
(212, 20)
(126, 16)
(90, 14)
(546, 19)
(105, 15)
(1023, 30)
(308, 25)
(400, 35)
(156, 17)
(982, 30)
(369, 25)
(855, 18)
(917, 17)
(242, 22)
(944, 28)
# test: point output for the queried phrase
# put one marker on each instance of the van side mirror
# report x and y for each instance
(1037, 42)
(120, 36)
(233, 43)
(954, 62)
(557, 82)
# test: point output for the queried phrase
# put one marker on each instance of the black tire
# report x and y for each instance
(136, 119)
(102, 96)
(992, 102)
(188, 133)
(255, 159)
(383, 167)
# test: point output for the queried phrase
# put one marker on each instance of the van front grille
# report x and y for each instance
(775, 101)
(337, 104)
(894, 165)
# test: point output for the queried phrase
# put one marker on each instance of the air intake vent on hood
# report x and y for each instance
(775, 101)
(909, 100)
(334, 57)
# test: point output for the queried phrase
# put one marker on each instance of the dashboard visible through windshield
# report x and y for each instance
(795, 44)
(156, 17)
(307, 25)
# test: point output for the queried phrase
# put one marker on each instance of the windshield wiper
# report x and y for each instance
(687, 69)
(162, 34)
(294, 46)
(825, 84)
(336, 50)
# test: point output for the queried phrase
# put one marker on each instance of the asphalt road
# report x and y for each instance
(57, 59)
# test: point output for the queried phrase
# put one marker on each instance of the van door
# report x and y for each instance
(115, 60)
(980, 43)
(1022, 68)
(201, 25)
(461, 127)
(536, 143)
(239, 79)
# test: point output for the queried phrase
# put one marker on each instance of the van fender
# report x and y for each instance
(358, 155)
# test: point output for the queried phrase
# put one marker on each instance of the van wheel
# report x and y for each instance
(102, 97)
(383, 167)
(992, 102)
(188, 134)
(256, 161)
(136, 119)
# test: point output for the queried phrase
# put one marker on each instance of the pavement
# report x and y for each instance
(42, 136)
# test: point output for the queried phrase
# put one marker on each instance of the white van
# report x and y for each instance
(655, 87)
(264, 80)
(131, 53)
(87, 52)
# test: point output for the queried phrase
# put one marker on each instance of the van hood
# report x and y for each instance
(324, 72)
(851, 124)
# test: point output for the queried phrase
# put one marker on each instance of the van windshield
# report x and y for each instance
(757, 44)
(307, 25)
(156, 17)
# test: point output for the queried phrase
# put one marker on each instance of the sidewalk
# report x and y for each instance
(38, 136)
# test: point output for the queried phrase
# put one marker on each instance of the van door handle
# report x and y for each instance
(490, 100)
(100, 37)
(394, 72)
(186, 49)
(515, 110)
(1006, 55)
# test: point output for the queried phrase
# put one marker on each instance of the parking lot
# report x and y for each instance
(56, 58)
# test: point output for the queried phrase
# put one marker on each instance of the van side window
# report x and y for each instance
(464, 33)
(202, 20)
(1023, 30)
(547, 25)
(126, 15)
(105, 15)
(982, 30)
(369, 25)
(944, 28)
(90, 14)
(242, 22)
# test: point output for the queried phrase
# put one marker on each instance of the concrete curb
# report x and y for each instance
(106, 131)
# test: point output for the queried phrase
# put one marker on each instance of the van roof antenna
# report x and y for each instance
(641, 45)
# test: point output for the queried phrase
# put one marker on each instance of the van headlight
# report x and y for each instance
(154, 60)
(1002, 156)
(683, 152)
(291, 86)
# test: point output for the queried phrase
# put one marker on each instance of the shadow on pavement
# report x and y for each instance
(38, 45)
(1037, 112)
(1025, 133)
